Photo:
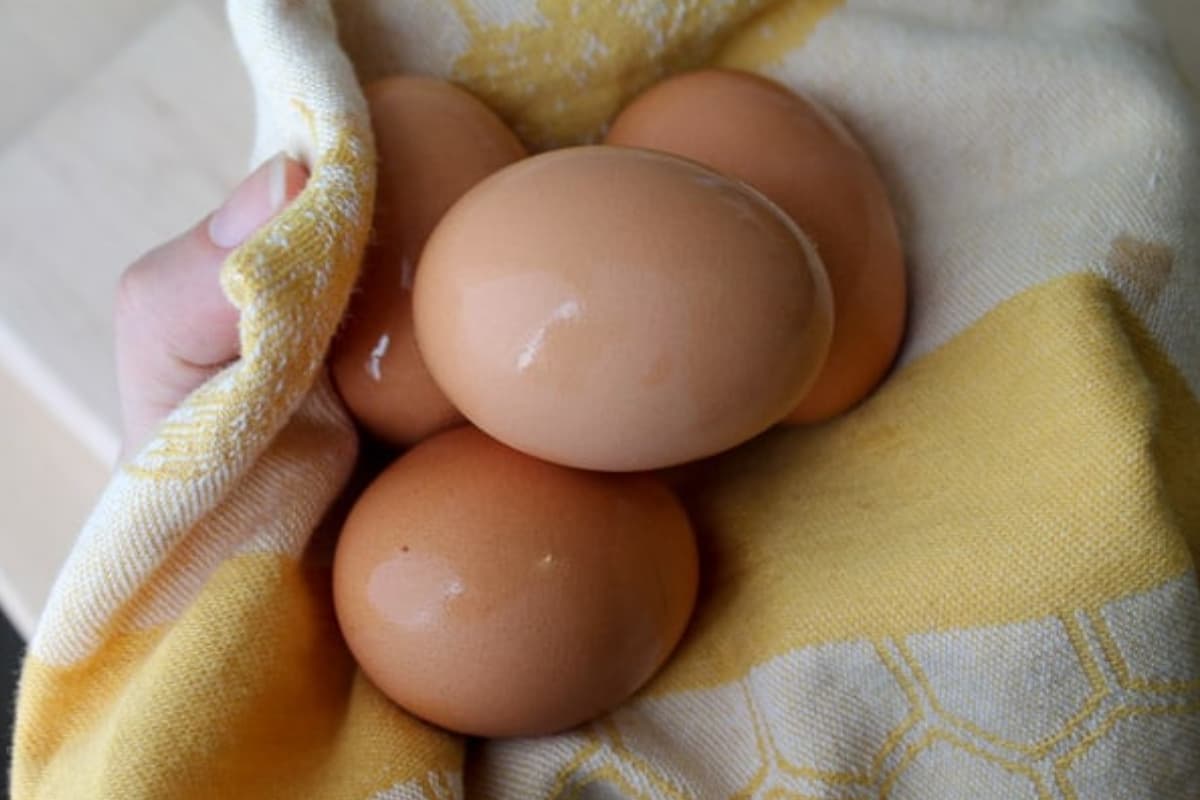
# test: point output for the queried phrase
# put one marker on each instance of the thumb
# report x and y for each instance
(174, 327)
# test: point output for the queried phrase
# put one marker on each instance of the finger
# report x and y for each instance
(174, 326)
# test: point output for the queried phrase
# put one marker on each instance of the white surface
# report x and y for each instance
(1182, 21)
(49, 481)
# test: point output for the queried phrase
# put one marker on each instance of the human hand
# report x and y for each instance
(174, 327)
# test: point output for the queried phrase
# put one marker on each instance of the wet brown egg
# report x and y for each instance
(804, 159)
(620, 309)
(435, 141)
(494, 594)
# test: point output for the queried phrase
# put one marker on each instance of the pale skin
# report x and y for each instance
(174, 327)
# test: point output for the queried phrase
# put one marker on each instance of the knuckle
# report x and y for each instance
(131, 290)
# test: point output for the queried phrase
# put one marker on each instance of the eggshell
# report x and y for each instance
(804, 159)
(494, 594)
(435, 141)
(620, 309)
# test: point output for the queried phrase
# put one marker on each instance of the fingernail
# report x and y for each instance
(257, 199)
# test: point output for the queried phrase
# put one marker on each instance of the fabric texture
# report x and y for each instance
(980, 583)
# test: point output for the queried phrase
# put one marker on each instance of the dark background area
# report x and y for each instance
(11, 648)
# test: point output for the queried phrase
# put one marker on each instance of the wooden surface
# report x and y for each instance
(122, 122)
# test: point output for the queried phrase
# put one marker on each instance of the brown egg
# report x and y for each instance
(494, 594)
(620, 309)
(801, 157)
(435, 141)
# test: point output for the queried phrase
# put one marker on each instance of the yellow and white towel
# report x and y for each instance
(981, 583)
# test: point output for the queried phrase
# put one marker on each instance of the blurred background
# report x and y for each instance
(121, 124)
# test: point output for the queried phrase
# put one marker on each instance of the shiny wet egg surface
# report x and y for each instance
(434, 142)
(799, 155)
(620, 309)
(494, 594)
